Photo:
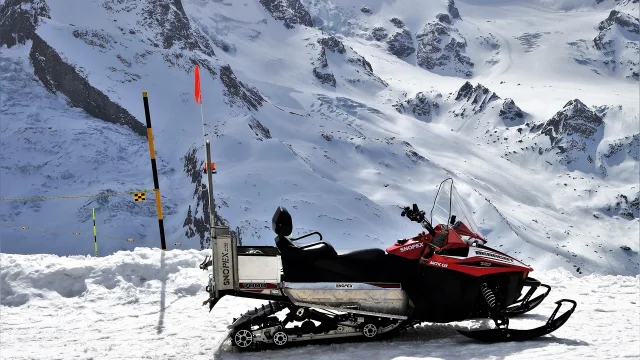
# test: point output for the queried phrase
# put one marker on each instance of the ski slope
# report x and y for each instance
(146, 304)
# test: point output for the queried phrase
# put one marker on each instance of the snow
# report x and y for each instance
(146, 304)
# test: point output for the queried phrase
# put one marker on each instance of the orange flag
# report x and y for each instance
(198, 93)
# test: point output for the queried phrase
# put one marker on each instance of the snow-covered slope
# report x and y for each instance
(310, 106)
(146, 304)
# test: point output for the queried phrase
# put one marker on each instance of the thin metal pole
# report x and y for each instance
(95, 237)
(212, 209)
(156, 185)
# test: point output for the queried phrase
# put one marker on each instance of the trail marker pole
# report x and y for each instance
(156, 185)
(95, 238)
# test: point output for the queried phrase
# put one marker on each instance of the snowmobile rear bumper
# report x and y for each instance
(526, 304)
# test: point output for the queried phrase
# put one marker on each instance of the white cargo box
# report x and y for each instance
(252, 268)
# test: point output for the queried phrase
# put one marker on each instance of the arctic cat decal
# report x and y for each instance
(411, 247)
(436, 263)
(493, 255)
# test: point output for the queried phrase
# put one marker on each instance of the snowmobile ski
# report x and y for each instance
(506, 334)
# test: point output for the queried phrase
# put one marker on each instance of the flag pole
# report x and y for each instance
(209, 166)
(198, 96)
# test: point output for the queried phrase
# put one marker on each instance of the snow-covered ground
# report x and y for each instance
(146, 304)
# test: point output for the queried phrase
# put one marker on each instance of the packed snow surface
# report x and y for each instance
(146, 304)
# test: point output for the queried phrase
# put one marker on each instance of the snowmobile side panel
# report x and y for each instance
(411, 249)
(223, 267)
(259, 288)
(350, 296)
(474, 265)
(441, 295)
(261, 268)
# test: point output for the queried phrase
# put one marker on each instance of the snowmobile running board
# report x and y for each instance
(352, 311)
(505, 334)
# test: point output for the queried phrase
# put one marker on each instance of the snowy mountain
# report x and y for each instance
(341, 112)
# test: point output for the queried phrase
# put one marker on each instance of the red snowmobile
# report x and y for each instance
(442, 275)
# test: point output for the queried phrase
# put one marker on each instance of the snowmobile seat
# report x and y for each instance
(298, 261)
(319, 261)
(363, 255)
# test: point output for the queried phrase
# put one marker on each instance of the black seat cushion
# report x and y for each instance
(363, 255)
(305, 253)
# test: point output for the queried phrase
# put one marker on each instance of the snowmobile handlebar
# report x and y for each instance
(417, 215)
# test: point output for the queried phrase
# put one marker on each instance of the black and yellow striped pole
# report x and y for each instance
(156, 185)
(95, 238)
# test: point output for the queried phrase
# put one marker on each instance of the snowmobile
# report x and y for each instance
(444, 274)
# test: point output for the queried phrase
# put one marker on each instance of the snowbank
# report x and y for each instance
(147, 304)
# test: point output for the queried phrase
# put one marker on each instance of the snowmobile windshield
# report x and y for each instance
(449, 210)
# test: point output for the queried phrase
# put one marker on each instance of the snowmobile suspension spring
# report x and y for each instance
(488, 295)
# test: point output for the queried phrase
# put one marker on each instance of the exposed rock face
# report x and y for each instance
(379, 33)
(290, 12)
(625, 36)
(171, 22)
(477, 98)
(623, 20)
(197, 222)
(365, 10)
(575, 131)
(510, 111)
(19, 19)
(237, 92)
(472, 100)
(332, 44)
(629, 145)
(441, 49)
(321, 70)
(401, 44)
(453, 10)
(421, 106)
(261, 131)
(625, 207)
(397, 22)
(444, 18)
(58, 76)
